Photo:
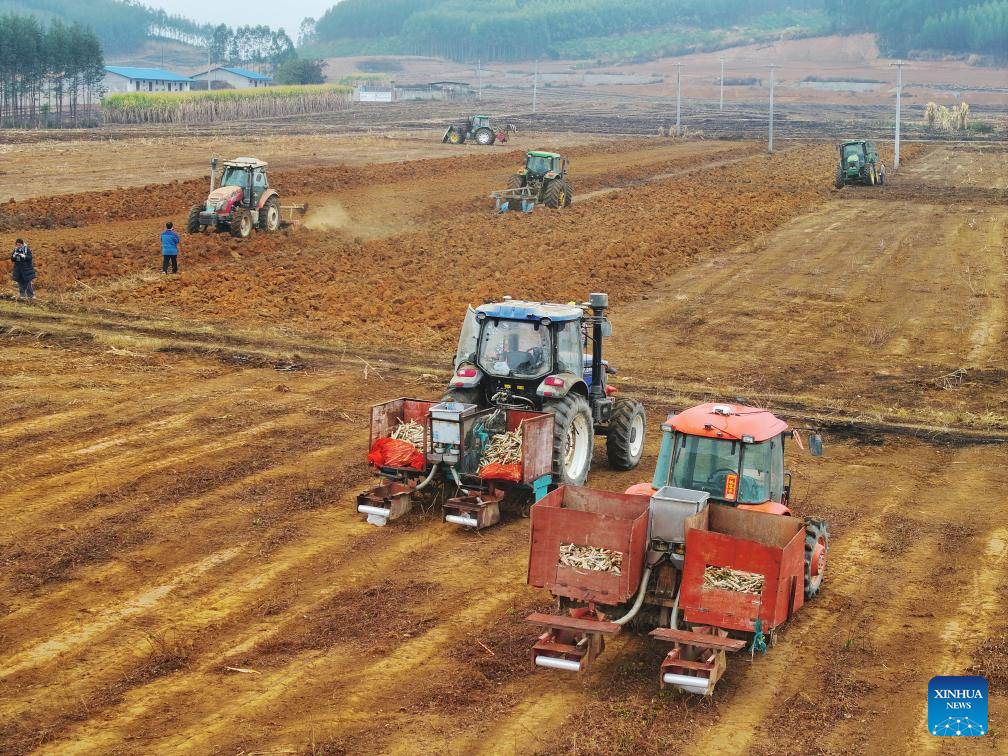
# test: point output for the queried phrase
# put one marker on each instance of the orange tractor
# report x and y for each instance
(708, 556)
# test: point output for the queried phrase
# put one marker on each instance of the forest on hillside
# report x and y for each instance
(521, 29)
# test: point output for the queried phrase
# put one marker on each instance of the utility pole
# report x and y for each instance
(772, 66)
(479, 76)
(678, 99)
(899, 94)
(721, 104)
(535, 86)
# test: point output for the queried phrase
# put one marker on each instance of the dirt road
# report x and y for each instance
(181, 565)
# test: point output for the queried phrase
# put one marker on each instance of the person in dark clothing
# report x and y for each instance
(24, 269)
(169, 248)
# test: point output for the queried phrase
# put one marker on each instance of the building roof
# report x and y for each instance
(157, 74)
(244, 72)
(519, 310)
(730, 421)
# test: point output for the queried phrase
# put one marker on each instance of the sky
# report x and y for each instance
(270, 12)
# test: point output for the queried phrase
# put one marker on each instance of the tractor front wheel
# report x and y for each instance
(194, 226)
(555, 194)
(241, 223)
(625, 441)
(485, 136)
(817, 538)
(269, 216)
(573, 439)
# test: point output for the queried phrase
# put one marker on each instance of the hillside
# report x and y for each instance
(501, 30)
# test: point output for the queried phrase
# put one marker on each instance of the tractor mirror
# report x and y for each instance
(815, 445)
(606, 328)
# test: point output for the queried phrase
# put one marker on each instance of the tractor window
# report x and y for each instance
(852, 149)
(776, 467)
(468, 339)
(705, 464)
(259, 179)
(539, 164)
(754, 487)
(515, 349)
(570, 355)
(234, 177)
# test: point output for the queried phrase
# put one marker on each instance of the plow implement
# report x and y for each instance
(292, 215)
(522, 198)
(449, 455)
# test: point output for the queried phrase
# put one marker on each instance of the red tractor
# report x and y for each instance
(244, 200)
(707, 556)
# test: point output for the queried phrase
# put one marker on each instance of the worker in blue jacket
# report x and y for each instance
(169, 248)
(23, 272)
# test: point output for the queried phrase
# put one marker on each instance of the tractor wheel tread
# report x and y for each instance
(485, 136)
(813, 530)
(564, 411)
(193, 226)
(238, 224)
(273, 203)
(515, 181)
(618, 440)
(552, 194)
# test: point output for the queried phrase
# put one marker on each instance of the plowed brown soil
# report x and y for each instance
(181, 565)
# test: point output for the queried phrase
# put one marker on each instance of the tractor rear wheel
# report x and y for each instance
(555, 194)
(516, 181)
(573, 439)
(871, 175)
(485, 136)
(569, 194)
(881, 175)
(241, 223)
(839, 183)
(194, 226)
(817, 538)
(269, 216)
(625, 441)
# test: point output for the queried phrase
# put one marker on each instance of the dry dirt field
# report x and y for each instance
(181, 454)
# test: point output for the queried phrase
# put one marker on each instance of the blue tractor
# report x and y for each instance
(533, 355)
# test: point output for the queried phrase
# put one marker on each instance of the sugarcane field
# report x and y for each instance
(612, 421)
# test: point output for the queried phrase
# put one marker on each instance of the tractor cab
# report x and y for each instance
(479, 121)
(732, 452)
(544, 165)
(247, 174)
(548, 357)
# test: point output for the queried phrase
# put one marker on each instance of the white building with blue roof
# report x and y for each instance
(238, 78)
(131, 79)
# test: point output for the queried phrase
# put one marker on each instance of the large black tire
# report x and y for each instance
(555, 194)
(817, 538)
(516, 181)
(839, 182)
(194, 226)
(269, 216)
(627, 429)
(485, 136)
(465, 396)
(241, 223)
(573, 439)
(871, 175)
(569, 194)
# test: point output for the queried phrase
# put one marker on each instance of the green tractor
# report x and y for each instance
(542, 180)
(859, 164)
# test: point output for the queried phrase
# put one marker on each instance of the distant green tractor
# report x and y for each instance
(859, 164)
(542, 180)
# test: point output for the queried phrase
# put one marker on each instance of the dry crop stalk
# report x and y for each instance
(591, 558)
(727, 579)
(503, 449)
(412, 432)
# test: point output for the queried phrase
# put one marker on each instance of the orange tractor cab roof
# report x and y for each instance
(734, 421)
